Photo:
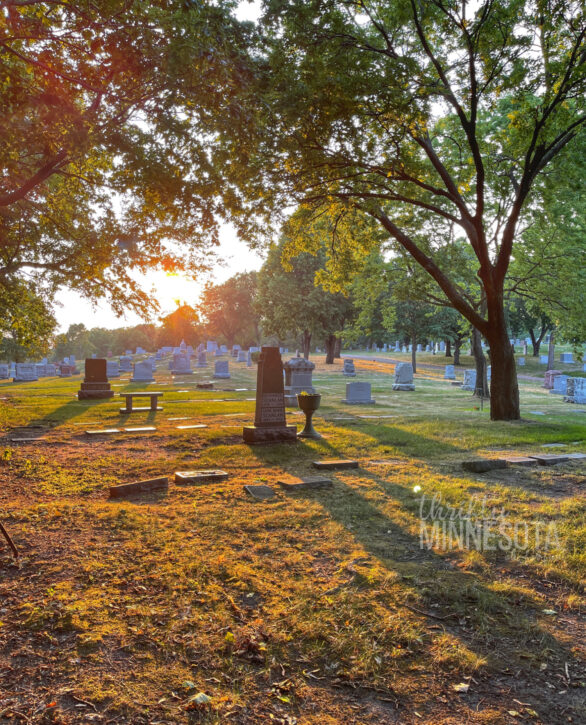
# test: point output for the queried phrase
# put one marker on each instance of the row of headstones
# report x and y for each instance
(434, 347)
(573, 389)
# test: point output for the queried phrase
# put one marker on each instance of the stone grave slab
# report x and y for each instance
(385, 462)
(191, 427)
(482, 465)
(261, 493)
(550, 459)
(554, 445)
(27, 440)
(576, 456)
(140, 429)
(335, 463)
(103, 431)
(200, 476)
(205, 386)
(309, 482)
(132, 489)
(521, 461)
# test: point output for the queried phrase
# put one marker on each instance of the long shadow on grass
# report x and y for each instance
(488, 622)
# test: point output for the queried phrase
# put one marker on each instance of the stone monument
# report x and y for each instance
(95, 383)
(112, 369)
(25, 373)
(349, 369)
(221, 369)
(403, 377)
(298, 372)
(125, 364)
(358, 394)
(181, 364)
(202, 361)
(270, 424)
(469, 380)
(4, 371)
(450, 373)
(143, 372)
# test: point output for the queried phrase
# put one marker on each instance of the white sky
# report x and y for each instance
(236, 256)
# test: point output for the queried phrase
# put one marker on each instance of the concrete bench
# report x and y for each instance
(153, 395)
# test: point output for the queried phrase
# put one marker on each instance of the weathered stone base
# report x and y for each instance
(254, 434)
(224, 376)
(94, 394)
(403, 386)
(181, 372)
(349, 375)
(372, 401)
(290, 401)
(142, 380)
(94, 391)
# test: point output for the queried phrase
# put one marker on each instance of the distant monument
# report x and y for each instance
(270, 424)
(95, 383)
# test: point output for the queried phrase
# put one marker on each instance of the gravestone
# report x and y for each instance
(469, 380)
(404, 350)
(249, 359)
(4, 371)
(41, 370)
(543, 359)
(403, 377)
(397, 346)
(224, 349)
(51, 369)
(211, 346)
(349, 369)
(358, 394)
(125, 364)
(143, 372)
(566, 357)
(218, 352)
(202, 361)
(450, 373)
(560, 383)
(183, 346)
(521, 362)
(579, 390)
(442, 346)
(65, 371)
(419, 348)
(241, 356)
(549, 378)
(95, 383)
(298, 372)
(235, 350)
(181, 364)
(140, 351)
(25, 373)
(221, 369)
(270, 424)
(112, 369)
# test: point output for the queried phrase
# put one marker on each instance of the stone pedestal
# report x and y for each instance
(95, 383)
(349, 369)
(270, 425)
(549, 377)
(298, 372)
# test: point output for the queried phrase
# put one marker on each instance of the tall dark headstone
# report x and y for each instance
(95, 383)
(270, 425)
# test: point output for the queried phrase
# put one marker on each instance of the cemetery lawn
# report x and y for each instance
(203, 605)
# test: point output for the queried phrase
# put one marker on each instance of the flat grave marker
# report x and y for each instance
(200, 476)
(335, 463)
(303, 483)
(261, 493)
(191, 427)
(131, 489)
(550, 459)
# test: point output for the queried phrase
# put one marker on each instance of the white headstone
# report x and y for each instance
(25, 373)
(112, 369)
(469, 380)
(143, 372)
(181, 364)
(450, 373)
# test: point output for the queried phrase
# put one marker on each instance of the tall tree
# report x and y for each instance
(293, 303)
(101, 173)
(229, 310)
(26, 323)
(434, 119)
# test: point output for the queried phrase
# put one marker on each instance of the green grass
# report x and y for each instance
(322, 606)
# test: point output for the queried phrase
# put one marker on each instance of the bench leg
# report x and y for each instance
(154, 399)
(128, 405)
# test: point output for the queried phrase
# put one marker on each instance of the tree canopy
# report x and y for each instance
(436, 120)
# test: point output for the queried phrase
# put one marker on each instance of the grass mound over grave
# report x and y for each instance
(321, 606)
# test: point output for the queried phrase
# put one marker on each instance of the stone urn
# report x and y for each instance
(309, 403)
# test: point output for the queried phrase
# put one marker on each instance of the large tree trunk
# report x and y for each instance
(481, 389)
(306, 342)
(504, 390)
(414, 353)
(338, 348)
(535, 342)
(448, 348)
(457, 345)
(330, 345)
